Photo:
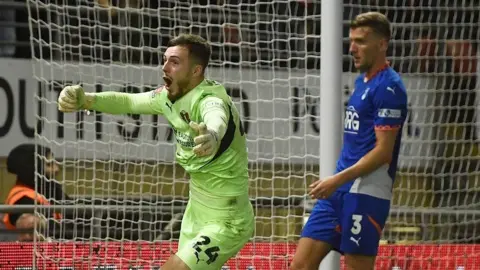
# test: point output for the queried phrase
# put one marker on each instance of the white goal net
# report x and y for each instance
(121, 169)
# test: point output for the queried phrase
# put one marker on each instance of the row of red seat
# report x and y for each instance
(255, 256)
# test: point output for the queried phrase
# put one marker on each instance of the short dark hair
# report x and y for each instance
(197, 46)
(376, 21)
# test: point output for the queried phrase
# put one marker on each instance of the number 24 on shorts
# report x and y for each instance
(210, 252)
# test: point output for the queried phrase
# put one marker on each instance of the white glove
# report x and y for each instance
(71, 99)
(207, 140)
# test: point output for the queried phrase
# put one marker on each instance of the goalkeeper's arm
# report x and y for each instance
(122, 103)
(214, 115)
(212, 129)
(73, 98)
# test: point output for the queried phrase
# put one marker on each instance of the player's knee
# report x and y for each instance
(309, 254)
(303, 264)
(359, 262)
(297, 264)
(175, 263)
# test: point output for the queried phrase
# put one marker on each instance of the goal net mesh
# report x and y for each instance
(121, 171)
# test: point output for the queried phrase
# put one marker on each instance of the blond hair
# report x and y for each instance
(376, 21)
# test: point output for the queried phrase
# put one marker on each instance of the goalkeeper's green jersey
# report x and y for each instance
(224, 173)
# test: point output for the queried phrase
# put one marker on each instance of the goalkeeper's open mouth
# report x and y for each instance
(167, 81)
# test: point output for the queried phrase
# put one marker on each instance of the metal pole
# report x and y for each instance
(331, 108)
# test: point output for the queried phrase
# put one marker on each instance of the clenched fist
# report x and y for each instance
(72, 98)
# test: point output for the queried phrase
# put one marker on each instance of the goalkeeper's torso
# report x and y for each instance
(224, 173)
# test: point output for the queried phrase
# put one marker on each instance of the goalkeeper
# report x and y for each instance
(210, 145)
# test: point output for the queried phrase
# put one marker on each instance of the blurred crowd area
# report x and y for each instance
(428, 36)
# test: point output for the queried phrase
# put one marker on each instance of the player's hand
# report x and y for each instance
(71, 99)
(323, 188)
(206, 141)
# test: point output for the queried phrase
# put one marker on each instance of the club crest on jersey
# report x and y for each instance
(365, 93)
(184, 115)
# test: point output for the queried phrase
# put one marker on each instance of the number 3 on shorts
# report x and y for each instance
(356, 227)
(201, 246)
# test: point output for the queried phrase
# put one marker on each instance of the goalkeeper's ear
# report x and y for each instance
(198, 70)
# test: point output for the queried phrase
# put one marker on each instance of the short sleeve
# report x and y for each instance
(390, 106)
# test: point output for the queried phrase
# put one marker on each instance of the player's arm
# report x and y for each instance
(380, 155)
(390, 104)
(390, 113)
(214, 115)
(213, 128)
(73, 98)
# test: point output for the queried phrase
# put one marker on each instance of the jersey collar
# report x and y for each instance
(192, 92)
(368, 78)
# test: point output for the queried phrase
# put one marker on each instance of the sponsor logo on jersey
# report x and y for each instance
(389, 113)
(184, 139)
(352, 122)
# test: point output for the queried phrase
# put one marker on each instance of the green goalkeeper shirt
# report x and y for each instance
(225, 172)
